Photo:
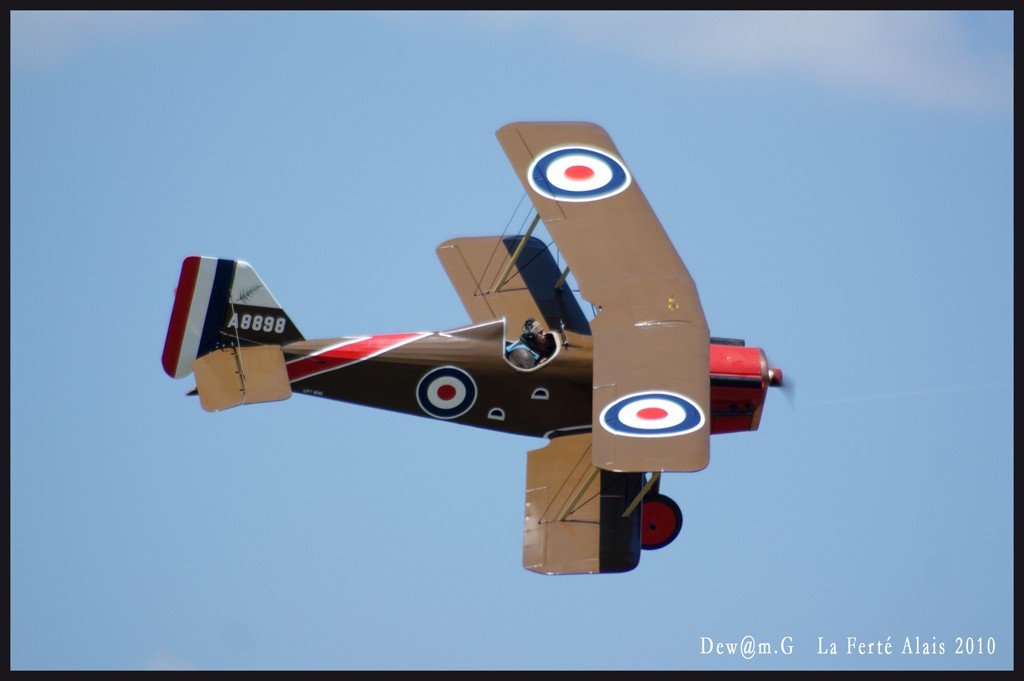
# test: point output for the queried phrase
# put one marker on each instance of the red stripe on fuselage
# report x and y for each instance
(346, 353)
(179, 313)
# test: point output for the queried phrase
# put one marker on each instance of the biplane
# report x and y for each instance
(623, 396)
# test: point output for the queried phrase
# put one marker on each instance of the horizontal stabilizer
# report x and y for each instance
(228, 377)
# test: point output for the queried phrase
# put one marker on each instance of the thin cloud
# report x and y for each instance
(50, 37)
(958, 61)
(164, 661)
(947, 60)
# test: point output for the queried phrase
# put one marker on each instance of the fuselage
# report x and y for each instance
(462, 376)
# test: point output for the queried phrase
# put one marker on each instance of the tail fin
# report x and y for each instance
(224, 305)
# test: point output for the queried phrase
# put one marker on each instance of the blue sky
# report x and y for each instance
(839, 184)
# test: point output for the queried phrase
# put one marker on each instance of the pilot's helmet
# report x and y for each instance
(533, 327)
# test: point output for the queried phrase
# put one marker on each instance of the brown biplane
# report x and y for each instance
(635, 392)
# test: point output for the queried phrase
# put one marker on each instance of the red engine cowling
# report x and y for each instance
(740, 377)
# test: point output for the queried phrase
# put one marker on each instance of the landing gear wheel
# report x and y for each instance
(660, 521)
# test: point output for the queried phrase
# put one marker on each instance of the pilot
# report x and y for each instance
(534, 346)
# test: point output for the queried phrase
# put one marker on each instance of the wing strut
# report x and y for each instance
(576, 499)
(561, 279)
(655, 477)
(642, 493)
(503, 279)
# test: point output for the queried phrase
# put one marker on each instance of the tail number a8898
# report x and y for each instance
(258, 322)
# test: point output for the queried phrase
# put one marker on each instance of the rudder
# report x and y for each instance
(227, 327)
(221, 303)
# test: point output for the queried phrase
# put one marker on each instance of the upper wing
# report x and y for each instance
(651, 340)
(492, 285)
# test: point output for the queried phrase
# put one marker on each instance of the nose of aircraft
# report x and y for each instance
(787, 387)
